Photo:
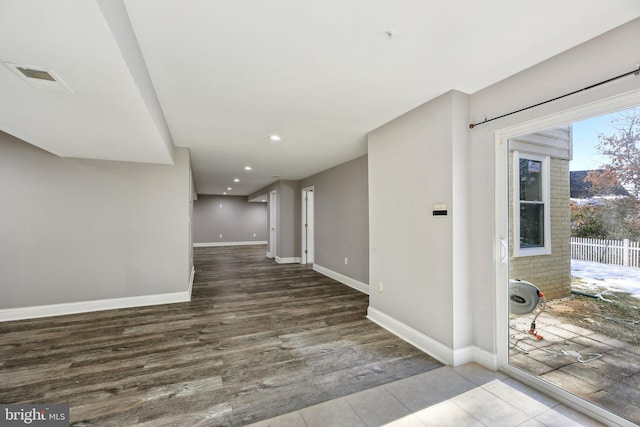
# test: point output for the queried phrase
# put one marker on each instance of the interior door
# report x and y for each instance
(310, 226)
(273, 196)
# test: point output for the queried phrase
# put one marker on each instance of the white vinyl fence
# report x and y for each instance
(618, 252)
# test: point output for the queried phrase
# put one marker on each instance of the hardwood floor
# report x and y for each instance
(257, 340)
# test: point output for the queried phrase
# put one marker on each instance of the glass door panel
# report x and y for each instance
(574, 273)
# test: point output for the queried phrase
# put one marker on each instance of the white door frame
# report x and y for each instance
(303, 247)
(273, 232)
(501, 248)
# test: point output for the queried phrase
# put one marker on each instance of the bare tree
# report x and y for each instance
(623, 150)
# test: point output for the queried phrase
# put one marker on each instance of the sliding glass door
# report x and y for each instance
(571, 257)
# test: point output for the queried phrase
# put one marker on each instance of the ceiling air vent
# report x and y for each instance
(36, 74)
(38, 77)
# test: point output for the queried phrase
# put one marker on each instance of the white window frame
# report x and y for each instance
(545, 173)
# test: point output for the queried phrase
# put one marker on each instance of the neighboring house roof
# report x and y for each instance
(581, 189)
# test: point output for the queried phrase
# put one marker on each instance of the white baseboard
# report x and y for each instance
(34, 312)
(288, 260)
(472, 353)
(269, 255)
(247, 243)
(355, 284)
(430, 346)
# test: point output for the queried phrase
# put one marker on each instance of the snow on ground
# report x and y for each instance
(597, 278)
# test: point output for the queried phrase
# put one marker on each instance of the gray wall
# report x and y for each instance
(416, 161)
(341, 218)
(290, 211)
(288, 216)
(79, 230)
(232, 216)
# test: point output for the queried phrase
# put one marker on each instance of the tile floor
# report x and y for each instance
(469, 395)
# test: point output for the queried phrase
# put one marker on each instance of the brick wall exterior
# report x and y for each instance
(551, 273)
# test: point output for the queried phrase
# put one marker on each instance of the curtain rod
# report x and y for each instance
(636, 72)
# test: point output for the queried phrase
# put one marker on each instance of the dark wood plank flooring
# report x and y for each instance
(257, 340)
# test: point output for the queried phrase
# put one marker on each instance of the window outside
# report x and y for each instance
(531, 232)
(531, 204)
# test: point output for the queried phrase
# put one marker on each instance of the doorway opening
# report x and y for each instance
(308, 241)
(568, 290)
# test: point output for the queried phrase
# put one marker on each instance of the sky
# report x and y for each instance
(585, 141)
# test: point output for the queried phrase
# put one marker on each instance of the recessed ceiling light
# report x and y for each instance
(236, 179)
(275, 137)
(224, 192)
(263, 200)
(229, 188)
(247, 168)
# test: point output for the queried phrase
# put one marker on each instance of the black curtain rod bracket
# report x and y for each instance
(634, 72)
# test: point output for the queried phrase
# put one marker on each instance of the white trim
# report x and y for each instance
(288, 260)
(34, 312)
(592, 109)
(472, 353)
(273, 227)
(269, 255)
(501, 239)
(355, 284)
(303, 232)
(417, 339)
(432, 347)
(246, 243)
(545, 174)
(193, 275)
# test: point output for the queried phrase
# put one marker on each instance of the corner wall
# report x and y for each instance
(75, 230)
(288, 211)
(417, 161)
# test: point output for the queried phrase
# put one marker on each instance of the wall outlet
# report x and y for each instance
(380, 287)
(254, 234)
(346, 260)
(221, 236)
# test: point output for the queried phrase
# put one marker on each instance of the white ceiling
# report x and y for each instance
(219, 76)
